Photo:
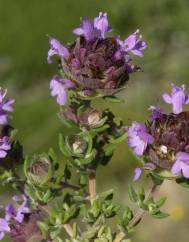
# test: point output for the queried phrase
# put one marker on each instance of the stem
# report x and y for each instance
(68, 230)
(68, 185)
(138, 215)
(92, 186)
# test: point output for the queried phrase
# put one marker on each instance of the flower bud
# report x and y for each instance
(77, 145)
(38, 169)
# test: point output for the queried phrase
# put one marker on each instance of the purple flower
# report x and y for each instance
(4, 228)
(101, 23)
(18, 213)
(156, 113)
(56, 49)
(5, 107)
(177, 98)
(86, 29)
(93, 29)
(181, 164)
(4, 146)
(139, 138)
(137, 174)
(133, 44)
(58, 88)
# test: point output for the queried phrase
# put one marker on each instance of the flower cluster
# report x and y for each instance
(164, 139)
(5, 109)
(14, 214)
(94, 63)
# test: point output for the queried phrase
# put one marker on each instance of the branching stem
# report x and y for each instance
(138, 215)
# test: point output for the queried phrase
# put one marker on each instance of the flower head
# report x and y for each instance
(95, 63)
(178, 98)
(58, 88)
(4, 146)
(181, 164)
(164, 139)
(5, 107)
(139, 138)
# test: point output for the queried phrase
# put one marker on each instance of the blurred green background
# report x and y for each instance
(24, 26)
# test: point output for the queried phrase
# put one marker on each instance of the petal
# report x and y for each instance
(137, 53)
(4, 226)
(140, 148)
(185, 169)
(178, 100)
(58, 88)
(78, 31)
(101, 23)
(137, 174)
(183, 156)
(56, 49)
(186, 99)
(176, 168)
(3, 118)
(130, 42)
(3, 153)
(2, 234)
(7, 106)
(167, 98)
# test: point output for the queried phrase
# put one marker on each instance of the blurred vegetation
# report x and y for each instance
(24, 26)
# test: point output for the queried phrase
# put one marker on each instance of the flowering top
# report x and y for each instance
(177, 98)
(139, 138)
(13, 214)
(168, 147)
(5, 107)
(95, 63)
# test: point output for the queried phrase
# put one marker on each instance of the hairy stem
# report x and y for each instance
(92, 186)
(138, 215)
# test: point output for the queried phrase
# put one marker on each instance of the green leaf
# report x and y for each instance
(109, 149)
(161, 202)
(156, 178)
(160, 215)
(132, 194)
(128, 213)
(141, 194)
(119, 139)
(63, 147)
(113, 99)
(107, 195)
(44, 228)
(184, 182)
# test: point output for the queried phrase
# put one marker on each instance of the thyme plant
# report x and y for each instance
(57, 199)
